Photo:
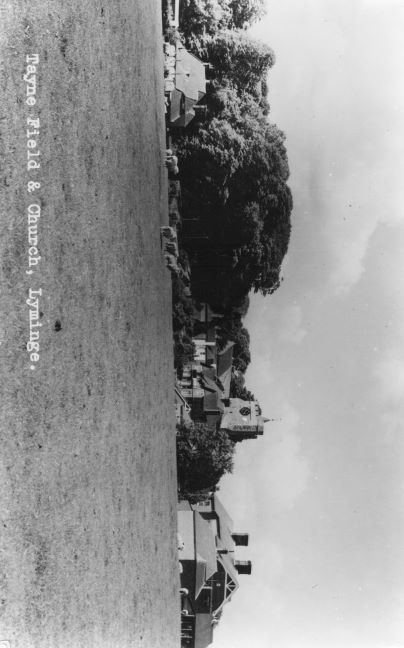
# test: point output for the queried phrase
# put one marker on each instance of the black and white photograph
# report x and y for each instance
(201, 324)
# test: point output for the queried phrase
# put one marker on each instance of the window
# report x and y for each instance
(245, 411)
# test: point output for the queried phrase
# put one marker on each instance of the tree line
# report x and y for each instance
(236, 202)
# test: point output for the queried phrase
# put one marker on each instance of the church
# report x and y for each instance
(242, 419)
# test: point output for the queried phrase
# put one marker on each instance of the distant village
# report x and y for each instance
(207, 542)
(204, 358)
(203, 392)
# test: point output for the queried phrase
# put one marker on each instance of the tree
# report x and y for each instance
(238, 388)
(234, 165)
(239, 58)
(200, 19)
(234, 177)
(204, 455)
(241, 351)
(246, 12)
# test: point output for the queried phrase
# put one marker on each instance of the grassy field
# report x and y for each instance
(87, 461)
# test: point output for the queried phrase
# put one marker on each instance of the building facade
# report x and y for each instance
(209, 569)
(243, 419)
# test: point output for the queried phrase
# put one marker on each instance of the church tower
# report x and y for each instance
(242, 419)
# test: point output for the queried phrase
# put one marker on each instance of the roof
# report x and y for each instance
(209, 372)
(189, 74)
(181, 113)
(213, 394)
(210, 384)
(226, 525)
(199, 314)
(232, 583)
(199, 546)
(213, 401)
(205, 313)
(228, 564)
(203, 630)
(224, 366)
(205, 548)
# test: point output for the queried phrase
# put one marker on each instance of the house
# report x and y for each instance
(206, 322)
(210, 573)
(205, 383)
(188, 87)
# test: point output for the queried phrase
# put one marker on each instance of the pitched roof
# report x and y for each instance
(205, 313)
(213, 401)
(205, 548)
(213, 393)
(232, 572)
(199, 546)
(224, 365)
(189, 74)
(209, 383)
(203, 630)
(225, 540)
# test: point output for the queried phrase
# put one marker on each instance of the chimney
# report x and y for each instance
(240, 539)
(243, 566)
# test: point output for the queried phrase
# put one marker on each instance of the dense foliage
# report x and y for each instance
(201, 19)
(238, 388)
(234, 166)
(204, 455)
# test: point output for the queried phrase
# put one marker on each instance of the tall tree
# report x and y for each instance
(239, 58)
(234, 174)
(204, 455)
(246, 12)
(238, 388)
(200, 19)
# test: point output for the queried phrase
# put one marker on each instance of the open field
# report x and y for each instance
(87, 462)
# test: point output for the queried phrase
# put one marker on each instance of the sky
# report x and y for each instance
(322, 492)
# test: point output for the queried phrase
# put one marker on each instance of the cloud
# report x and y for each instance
(389, 373)
(291, 329)
(288, 471)
(349, 153)
(284, 471)
(356, 214)
(349, 243)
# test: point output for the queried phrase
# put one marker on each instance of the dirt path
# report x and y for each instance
(87, 460)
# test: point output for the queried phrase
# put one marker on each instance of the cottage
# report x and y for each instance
(209, 570)
(189, 87)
